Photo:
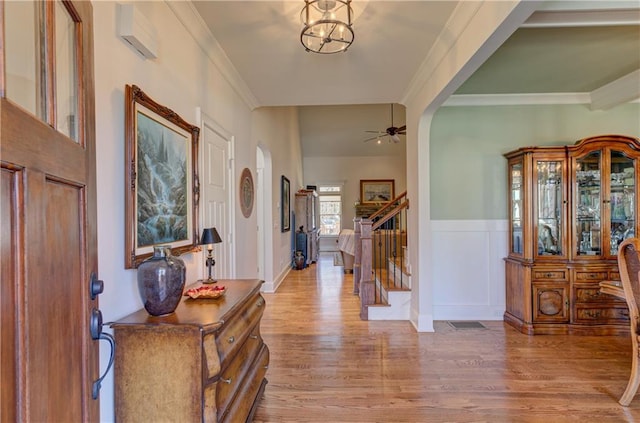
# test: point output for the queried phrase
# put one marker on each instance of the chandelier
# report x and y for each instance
(327, 26)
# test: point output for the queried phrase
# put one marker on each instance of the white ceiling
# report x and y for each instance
(262, 40)
(564, 48)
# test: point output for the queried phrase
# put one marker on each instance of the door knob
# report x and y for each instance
(96, 286)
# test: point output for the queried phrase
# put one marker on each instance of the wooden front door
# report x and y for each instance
(48, 209)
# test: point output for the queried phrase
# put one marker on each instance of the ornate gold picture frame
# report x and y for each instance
(161, 179)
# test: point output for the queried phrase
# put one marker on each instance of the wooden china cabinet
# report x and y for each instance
(569, 209)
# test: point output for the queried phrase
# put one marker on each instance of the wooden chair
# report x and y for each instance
(629, 265)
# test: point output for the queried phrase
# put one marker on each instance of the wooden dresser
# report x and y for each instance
(205, 362)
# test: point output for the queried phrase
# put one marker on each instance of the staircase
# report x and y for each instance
(381, 278)
(393, 293)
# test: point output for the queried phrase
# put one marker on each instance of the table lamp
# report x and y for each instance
(210, 236)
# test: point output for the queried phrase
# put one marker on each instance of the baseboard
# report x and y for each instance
(272, 286)
(422, 322)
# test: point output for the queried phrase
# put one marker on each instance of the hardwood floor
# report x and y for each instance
(329, 366)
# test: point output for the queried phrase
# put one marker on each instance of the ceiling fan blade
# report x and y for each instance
(395, 138)
(375, 132)
(402, 128)
(371, 139)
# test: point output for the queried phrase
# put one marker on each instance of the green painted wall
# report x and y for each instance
(467, 167)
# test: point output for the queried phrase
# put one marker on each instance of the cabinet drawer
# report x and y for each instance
(602, 315)
(596, 275)
(218, 347)
(232, 377)
(542, 274)
(587, 294)
(614, 276)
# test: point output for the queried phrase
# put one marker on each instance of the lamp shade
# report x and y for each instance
(210, 236)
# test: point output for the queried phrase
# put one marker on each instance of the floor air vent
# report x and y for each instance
(467, 325)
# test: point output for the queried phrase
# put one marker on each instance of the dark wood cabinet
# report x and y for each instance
(569, 209)
(206, 362)
(307, 209)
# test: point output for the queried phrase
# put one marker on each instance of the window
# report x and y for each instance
(43, 62)
(330, 197)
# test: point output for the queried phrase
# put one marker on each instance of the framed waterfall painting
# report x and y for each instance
(161, 179)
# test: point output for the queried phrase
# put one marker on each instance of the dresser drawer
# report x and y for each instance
(602, 315)
(249, 392)
(550, 274)
(232, 376)
(219, 346)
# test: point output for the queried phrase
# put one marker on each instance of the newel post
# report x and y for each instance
(367, 284)
(357, 255)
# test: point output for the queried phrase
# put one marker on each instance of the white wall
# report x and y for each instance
(182, 78)
(349, 170)
(468, 269)
(470, 226)
(277, 129)
(474, 32)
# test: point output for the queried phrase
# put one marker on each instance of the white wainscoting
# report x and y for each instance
(468, 269)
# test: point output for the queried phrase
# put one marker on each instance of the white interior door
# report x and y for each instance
(215, 192)
(260, 211)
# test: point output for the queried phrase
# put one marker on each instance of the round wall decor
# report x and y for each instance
(246, 192)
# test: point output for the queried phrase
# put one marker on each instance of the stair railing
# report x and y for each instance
(380, 253)
(385, 209)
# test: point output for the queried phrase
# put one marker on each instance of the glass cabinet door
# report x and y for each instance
(549, 208)
(588, 233)
(515, 183)
(621, 200)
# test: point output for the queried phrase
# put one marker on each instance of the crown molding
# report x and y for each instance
(546, 98)
(187, 14)
(516, 99)
(457, 22)
(563, 19)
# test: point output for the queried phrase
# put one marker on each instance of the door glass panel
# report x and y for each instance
(623, 188)
(588, 232)
(516, 208)
(21, 54)
(66, 73)
(550, 208)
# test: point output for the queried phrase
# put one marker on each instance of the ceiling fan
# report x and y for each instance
(392, 132)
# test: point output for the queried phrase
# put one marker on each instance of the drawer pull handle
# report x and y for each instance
(266, 367)
(253, 336)
(548, 275)
(227, 381)
(232, 339)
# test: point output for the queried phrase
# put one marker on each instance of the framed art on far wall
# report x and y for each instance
(161, 177)
(376, 190)
(285, 212)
